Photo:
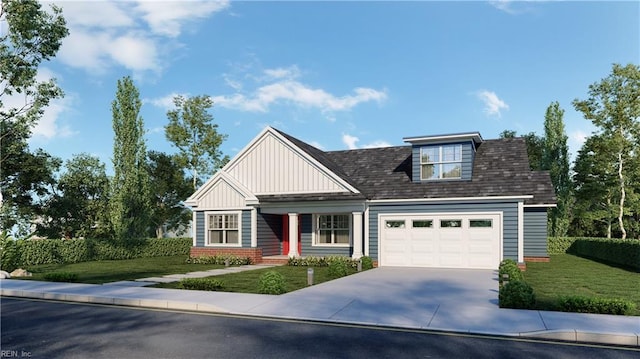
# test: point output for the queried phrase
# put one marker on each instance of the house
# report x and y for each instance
(449, 201)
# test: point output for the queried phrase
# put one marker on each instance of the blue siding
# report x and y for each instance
(468, 155)
(535, 232)
(509, 220)
(307, 238)
(270, 234)
(246, 229)
(199, 229)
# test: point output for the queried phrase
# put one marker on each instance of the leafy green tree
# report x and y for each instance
(535, 145)
(29, 36)
(169, 188)
(79, 204)
(130, 206)
(555, 159)
(192, 130)
(613, 106)
(595, 189)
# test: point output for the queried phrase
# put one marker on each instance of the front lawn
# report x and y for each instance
(570, 275)
(247, 282)
(98, 272)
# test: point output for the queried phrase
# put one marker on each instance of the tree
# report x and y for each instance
(555, 159)
(192, 131)
(29, 37)
(80, 201)
(169, 188)
(614, 107)
(596, 193)
(129, 205)
(534, 147)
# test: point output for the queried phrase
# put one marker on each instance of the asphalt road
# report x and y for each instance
(44, 329)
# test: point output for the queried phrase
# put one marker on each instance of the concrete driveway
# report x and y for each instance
(395, 296)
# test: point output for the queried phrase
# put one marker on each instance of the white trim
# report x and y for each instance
(222, 245)
(475, 136)
(314, 234)
(450, 199)
(520, 232)
(254, 227)
(269, 130)
(540, 205)
(356, 227)
(440, 164)
(366, 230)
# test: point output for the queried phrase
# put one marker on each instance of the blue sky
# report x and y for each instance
(337, 75)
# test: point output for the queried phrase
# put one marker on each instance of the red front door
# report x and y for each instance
(285, 234)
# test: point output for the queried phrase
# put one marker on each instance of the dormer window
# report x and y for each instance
(441, 162)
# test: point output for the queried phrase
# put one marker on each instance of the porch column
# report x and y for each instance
(254, 227)
(293, 235)
(357, 235)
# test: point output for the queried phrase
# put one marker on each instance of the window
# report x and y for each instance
(333, 229)
(422, 223)
(451, 223)
(394, 224)
(480, 223)
(438, 162)
(223, 228)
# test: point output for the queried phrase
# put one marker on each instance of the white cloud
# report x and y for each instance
(104, 34)
(492, 103)
(513, 7)
(578, 137)
(376, 144)
(316, 144)
(283, 88)
(350, 141)
(164, 102)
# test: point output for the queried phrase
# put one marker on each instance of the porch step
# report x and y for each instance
(279, 260)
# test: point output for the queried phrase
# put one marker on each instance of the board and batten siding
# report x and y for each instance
(270, 234)
(245, 228)
(222, 195)
(535, 232)
(468, 154)
(307, 238)
(509, 220)
(272, 167)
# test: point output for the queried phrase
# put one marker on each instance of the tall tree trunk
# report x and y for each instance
(159, 232)
(195, 179)
(609, 218)
(622, 196)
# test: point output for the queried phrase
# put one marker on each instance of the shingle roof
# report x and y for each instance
(501, 168)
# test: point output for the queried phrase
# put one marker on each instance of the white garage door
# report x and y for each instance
(441, 240)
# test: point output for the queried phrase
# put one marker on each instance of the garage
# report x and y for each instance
(444, 240)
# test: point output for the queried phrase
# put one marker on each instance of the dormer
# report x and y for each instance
(443, 157)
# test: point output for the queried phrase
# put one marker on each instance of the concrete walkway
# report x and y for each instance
(374, 297)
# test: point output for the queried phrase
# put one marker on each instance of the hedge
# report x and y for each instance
(623, 252)
(21, 253)
(582, 304)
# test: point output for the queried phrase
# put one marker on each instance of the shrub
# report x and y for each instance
(61, 277)
(210, 284)
(307, 262)
(516, 294)
(9, 253)
(272, 282)
(559, 245)
(581, 304)
(367, 263)
(510, 268)
(338, 269)
(220, 260)
(622, 252)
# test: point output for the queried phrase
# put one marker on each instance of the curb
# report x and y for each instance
(567, 335)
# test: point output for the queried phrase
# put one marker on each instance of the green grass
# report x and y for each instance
(247, 282)
(566, 274)
(129, 269)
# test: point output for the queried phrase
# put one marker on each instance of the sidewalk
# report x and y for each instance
(334, 302)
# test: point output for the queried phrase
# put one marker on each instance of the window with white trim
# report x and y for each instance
(223, 229)
(441, 162)
(333, 229)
